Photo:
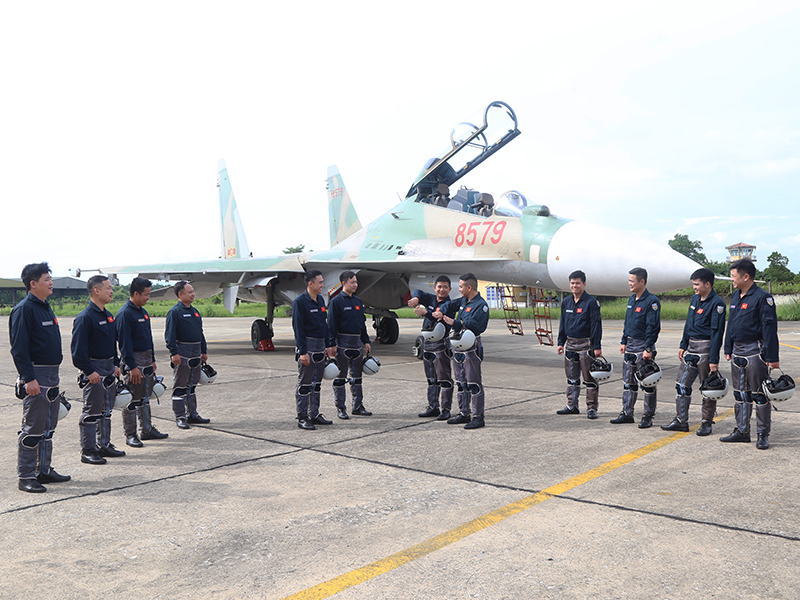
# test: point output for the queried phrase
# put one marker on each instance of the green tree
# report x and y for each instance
(719, 268)
(294, 249)
(681, 243)
(777, 269)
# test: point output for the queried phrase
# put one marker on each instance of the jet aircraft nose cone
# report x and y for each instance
(606, 255)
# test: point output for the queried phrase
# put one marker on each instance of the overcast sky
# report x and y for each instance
(659, 117)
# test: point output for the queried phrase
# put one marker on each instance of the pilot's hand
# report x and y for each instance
(622, 349)
(420, 311)
(204, 357)
(598, 353)
(305, 359)
(647, 355)
(94, 377)
(32, 388)
(368, 348)
(681, 352)
(413, 302)
(116, 372)
(448, 320)
(176, 359)
(728, 357)
(331, 352)
(154, 367)
(713, 367)
(136, 376)
(437, 314)
(774, 365)
(560, 350)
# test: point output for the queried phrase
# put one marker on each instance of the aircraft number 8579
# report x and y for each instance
(469, 233)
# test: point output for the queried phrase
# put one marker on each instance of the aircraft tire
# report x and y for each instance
(416, 350)
(259, 332)
(388, 330)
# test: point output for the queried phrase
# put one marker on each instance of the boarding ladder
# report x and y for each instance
(541, 300)
(506, 297)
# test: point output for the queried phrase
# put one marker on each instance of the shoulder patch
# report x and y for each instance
(485, 308)
(770, 301)
(654, 306)
(720, 309)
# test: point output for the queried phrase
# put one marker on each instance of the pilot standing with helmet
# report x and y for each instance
(188, 351)
(310, 325)
(751, 344)
(473, 317)
(580, 333)
(36, 350)
(139, 359)
(436, 353)
(94, 352)
(699, 351)
(639, 336)
(348, 339)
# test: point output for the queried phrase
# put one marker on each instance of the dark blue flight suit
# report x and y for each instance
(136, 348)
(184, 337)
(752, 341)
(347, 330)
(473, 315)
(702, 339)
(94, 349)
(36, 350)
(436, 356)
(310, 325)
(642, 326)
(580, 332)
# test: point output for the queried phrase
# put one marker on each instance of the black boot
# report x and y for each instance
(705, 428)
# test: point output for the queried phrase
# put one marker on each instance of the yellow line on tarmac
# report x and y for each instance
(789, 345)
(384, 565)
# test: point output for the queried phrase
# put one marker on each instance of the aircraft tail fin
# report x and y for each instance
(234, 243)
(343, 218)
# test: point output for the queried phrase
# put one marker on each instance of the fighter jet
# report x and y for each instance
(437, 229)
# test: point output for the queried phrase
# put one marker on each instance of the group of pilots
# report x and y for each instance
(332, 341)
(750, 344)
(104, 371)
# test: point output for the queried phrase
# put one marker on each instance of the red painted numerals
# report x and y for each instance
(336, 192)
(479, 232)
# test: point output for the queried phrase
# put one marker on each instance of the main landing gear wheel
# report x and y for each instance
(388, 330)
(261, 335)
(417, 349)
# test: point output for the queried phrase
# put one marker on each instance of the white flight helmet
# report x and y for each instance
(464, 341)
(207, 374)
(331, 369)
(648, 373)
(435, 334)
(159, 389)
(124, 396)
(778, 390)
(600, 369)
(714, 387)
(63, 406)
(371, 365)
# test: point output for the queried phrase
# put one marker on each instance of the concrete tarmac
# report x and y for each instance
(534, 505)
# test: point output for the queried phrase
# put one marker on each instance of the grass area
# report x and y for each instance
(671, 310)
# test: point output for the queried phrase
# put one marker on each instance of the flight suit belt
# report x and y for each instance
(103, 366)
(46, 375)
(189, 349)
(578, 344)
(747, 348)
(348, 340)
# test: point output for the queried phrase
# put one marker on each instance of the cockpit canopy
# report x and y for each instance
(471, 142)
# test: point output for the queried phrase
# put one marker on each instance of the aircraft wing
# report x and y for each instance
(250, 279)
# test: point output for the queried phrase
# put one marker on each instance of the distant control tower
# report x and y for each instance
(740, 250)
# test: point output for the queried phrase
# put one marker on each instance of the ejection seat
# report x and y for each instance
(484, 207)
